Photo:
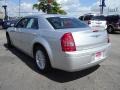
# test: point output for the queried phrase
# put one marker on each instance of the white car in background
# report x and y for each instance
(96, 22)
(59, 41)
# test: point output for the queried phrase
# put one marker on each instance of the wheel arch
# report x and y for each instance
(46, 47)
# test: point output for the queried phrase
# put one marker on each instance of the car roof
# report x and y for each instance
(48, 15)
(113, 16)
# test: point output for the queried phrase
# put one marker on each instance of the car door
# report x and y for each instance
(16, 32)
(28, 34)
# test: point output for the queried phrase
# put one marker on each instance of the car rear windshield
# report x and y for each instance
(64, 23)
(98, 18)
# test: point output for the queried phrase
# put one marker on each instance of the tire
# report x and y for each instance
(42, 60)
(8, 40)
(110, 29)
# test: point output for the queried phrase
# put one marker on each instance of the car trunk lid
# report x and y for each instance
(89, 39)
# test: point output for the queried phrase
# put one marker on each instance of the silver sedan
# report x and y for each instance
(59, 41)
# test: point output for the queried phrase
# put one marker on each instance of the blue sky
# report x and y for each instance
(68, 5)
(27, 1)
(87, 2)
(83, 2)
(73, 7)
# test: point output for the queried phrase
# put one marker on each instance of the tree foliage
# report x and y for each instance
(54, 8)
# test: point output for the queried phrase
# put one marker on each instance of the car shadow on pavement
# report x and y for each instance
(55, 75)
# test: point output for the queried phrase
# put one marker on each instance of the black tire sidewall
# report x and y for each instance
(47, 61)
(110, 31)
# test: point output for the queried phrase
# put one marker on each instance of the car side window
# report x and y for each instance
(32, 23)
(88, 17)
(22, 23)
(81, 18)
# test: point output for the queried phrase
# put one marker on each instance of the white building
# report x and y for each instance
(112, 11)
(1, 13)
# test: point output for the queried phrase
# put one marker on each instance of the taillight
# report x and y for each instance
(67, 43)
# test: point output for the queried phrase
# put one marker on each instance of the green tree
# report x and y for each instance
(44, 6)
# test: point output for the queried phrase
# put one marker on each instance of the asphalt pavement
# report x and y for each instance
(19, 72)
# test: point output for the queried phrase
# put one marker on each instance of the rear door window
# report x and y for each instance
(32, 23)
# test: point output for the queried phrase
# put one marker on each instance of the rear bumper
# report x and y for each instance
(79, 60)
